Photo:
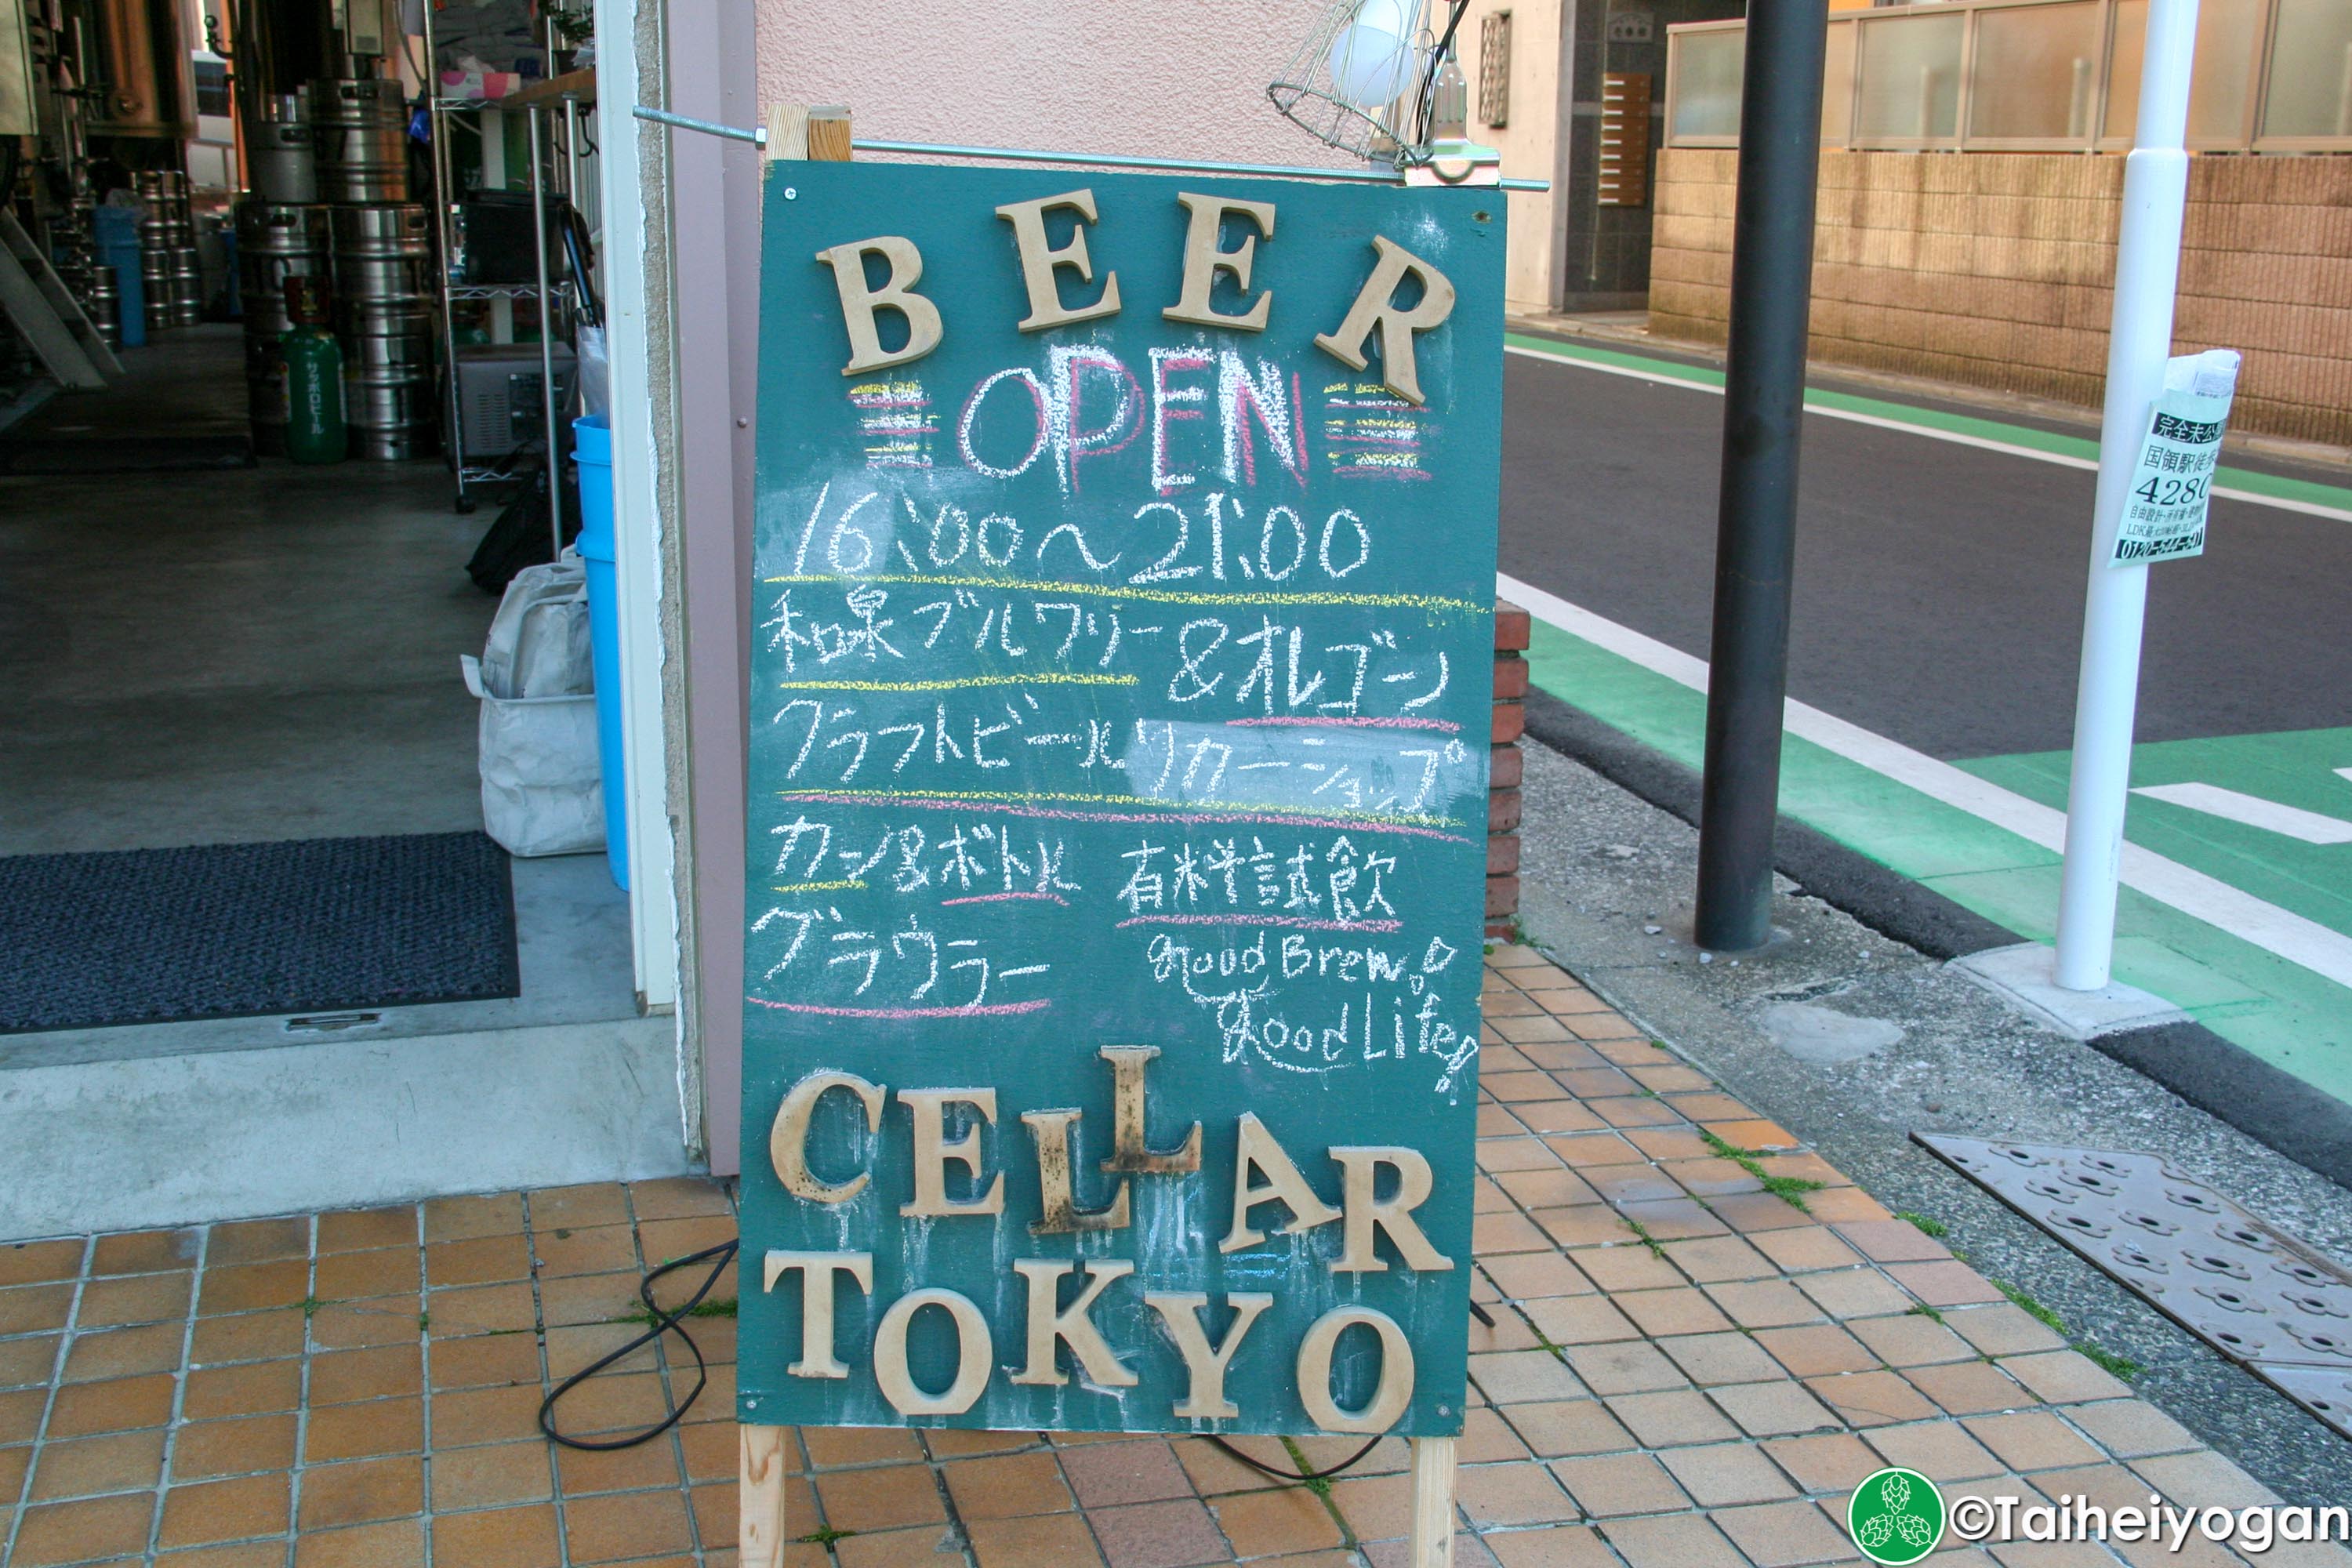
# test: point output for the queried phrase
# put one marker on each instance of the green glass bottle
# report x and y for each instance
(313, 378)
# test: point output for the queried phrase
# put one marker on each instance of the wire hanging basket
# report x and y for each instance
(1361, 81)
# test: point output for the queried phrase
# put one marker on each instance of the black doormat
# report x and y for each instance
(27, 458)
(224, 930)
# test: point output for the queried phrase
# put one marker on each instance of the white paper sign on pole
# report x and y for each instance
(2172, 481)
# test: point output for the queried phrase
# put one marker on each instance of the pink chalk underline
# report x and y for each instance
(1270, 819)
(1400, 723)
(1000, 897)
(1293, 921)
(992, 1010)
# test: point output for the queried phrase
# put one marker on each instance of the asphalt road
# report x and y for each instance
(1939, 587)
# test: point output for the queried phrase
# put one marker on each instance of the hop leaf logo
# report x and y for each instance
(1896, 1517)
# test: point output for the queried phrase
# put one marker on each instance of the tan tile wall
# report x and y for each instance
(1996, 270)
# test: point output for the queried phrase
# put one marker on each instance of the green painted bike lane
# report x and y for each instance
(2279, 1011)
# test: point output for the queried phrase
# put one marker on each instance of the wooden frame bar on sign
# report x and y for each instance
(795, 132)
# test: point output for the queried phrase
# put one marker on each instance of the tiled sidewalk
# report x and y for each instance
(1687, 1369)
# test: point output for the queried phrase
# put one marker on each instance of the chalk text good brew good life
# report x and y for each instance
(1121, 677)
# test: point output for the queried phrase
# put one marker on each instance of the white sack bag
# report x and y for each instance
(542, 787)
(542, 784)
(540, 644)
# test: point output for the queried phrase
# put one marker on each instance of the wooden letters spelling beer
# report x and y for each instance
(1042, 263)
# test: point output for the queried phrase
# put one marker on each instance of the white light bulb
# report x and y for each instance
(1372, 57)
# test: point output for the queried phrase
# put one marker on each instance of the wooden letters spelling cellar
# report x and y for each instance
(1124, 559)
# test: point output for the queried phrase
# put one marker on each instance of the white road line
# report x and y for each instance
(1956, 437)
(2276, 930)
(2253, 811)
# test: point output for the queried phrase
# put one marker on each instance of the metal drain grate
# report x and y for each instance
(2325, 1391)
(2253, 1292)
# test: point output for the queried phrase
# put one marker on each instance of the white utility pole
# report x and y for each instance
(2147, 273)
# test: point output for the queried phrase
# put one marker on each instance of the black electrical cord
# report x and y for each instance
(665, 1322)
(1282, 1474)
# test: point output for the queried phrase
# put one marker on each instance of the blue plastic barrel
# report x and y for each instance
(116, 229)
(593, 450)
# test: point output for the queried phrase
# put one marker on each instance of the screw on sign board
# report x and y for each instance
(1121, 658)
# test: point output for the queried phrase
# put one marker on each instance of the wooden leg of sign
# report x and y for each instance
(1433, 1503)
(828, 136)
(759, 1500)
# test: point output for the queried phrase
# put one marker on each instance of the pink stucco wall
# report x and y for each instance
(1182, 77)
(1179, 78)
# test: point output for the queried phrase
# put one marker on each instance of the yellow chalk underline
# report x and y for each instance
(1027, 796)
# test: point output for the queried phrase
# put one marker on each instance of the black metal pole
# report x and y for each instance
(1763, 410)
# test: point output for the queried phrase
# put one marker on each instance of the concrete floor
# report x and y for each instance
(226, 657)
(231, 656)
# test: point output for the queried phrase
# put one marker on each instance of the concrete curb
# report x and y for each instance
(2234, 1084)
(1844, 879)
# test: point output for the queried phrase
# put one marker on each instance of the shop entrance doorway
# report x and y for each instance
(263, 957)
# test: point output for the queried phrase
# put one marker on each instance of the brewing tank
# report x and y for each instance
(140, 51)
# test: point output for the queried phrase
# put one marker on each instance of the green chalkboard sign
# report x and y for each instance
(1121, 676)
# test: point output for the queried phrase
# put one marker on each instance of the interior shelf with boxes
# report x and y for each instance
(508, 247)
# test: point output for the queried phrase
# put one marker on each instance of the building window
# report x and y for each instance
(212, 84)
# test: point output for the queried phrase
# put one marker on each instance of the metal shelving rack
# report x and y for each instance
(553, 297)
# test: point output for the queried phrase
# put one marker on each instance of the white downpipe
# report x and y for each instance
(636, 521)
(2148, 274)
